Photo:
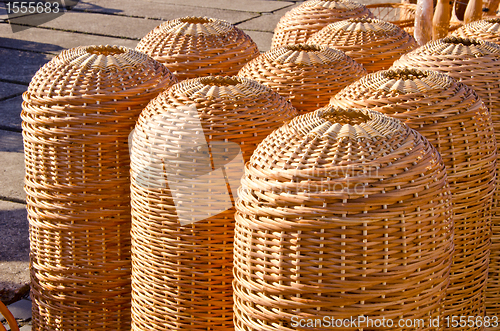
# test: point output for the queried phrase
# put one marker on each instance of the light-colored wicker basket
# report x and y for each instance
(373, 43)
(458, 124)
(307, 74)
(477, 64)
(199, 46)
(77, 114)
(401, 14)
(487, 29)
(341, 213)
(300, 23)
(182, 272)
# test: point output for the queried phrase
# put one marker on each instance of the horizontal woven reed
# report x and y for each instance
(487, 29)
(182, 273)
(373, 43)
(341, 213)
(400, 14)
(77, 114)
(301, 22)
(199, 46)
(307, 74)
(475, 63)
(455, 120)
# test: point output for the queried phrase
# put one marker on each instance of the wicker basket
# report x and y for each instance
(456, 122)
(182, 233)
(308, 74)
(400, 14)
(476, 63)
(488, 29)
(199, 46)
(77, 114)
(373, 43)
(300, 23)
(342, 213)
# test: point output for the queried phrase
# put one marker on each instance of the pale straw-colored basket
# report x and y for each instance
(487, 29)
(199, 46)
(300, 23)
(476, 63)
(342, 213)
(401, 14)
(184, 163)
(455, 120)
(307, 74)
(77, 114)
(373, 43)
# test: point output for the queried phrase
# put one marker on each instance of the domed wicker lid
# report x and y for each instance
(404, 81)
(331, 136)
(338, 5)
(457, 46)
(487, 29)
(96, 71)
(306, 55)
(356, 31)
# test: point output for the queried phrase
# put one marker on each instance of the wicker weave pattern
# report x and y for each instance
(476, 63)
(77, 114)
(199, 46)
(373, 43)
(488, 29)
(300, 23)
(307, 74)
(455, 120)
(182, 274)
(400, 14)
(342, 212)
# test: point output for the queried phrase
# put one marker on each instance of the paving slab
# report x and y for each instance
(107, 25)
(257, 6)
(14, 251)
(54, 41)
(21, 310)
(162, 11)
(12, 176)
(266, 22)
(10, 112)
(20, 66)
(11, 141)
(8, 90)
(262, 39)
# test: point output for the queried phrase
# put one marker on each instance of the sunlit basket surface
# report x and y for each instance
(182, 271)
(199, 46)
(456, 122)
(308, 74)
(300, 23)
(373, 43)
(476, 63)
(342, 212)
(77, 114)
(400, 14)
(487, 29)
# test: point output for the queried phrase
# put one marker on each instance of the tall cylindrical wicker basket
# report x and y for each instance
(307, 74)
(458, 124)
(297, 25)
(477, 64)
(182, 230)
(342, 213)
(373, 43)
(487, 29)
(77, 114)
(199, 46)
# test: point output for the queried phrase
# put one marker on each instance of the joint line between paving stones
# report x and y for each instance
(11, 129)
(79, 32)
(16, 200)
(25, 50)
(12, 81)
(12, 96)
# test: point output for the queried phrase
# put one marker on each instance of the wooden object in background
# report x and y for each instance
(441, 19)
(423, 21)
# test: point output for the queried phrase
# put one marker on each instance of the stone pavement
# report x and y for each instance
(119, 22)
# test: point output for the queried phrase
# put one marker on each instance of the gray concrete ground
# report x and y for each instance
(119, 22)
